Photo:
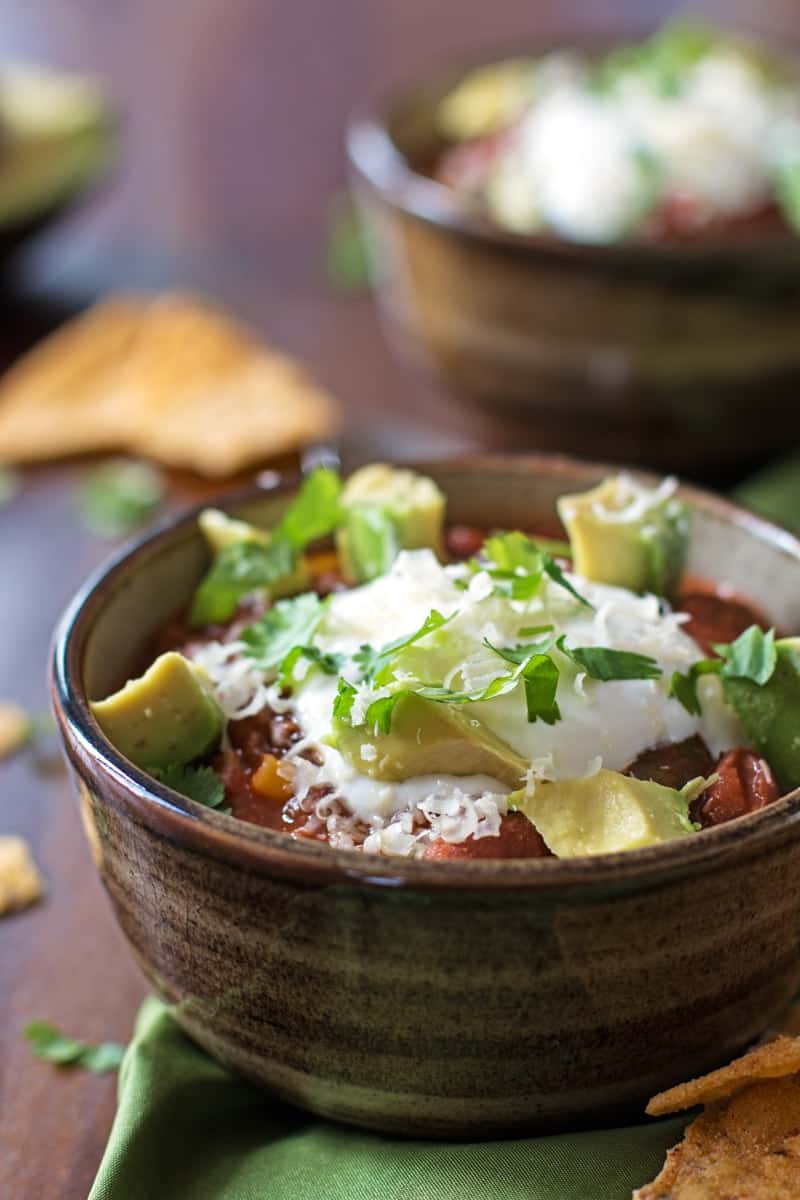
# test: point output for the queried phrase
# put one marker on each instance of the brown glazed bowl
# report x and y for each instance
(676, 355)
(438, 999)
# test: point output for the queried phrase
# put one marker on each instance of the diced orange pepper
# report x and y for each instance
(270, 781)
(326, 560)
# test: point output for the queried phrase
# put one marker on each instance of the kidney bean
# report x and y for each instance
(673, 765)
(463, 541)
(745, 784)
(714, 618)
(518, 838)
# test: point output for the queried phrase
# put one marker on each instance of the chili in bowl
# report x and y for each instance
(558, 760)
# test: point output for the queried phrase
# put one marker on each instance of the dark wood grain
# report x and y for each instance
(233, 116)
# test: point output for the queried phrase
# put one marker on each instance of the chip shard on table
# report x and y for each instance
(746, 1143)
(20, 881)
(172, 377)
(15, 728)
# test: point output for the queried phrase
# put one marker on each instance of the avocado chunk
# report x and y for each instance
(220, 530)
(57, 136)
(166, 717)
(384, 510)
(427, 738)
(769, 712)
(628, 535)
(606, 812)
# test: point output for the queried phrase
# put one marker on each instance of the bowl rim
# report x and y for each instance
(264, 850)
(376, 160)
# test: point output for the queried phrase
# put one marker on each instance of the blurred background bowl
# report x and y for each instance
(678, 355)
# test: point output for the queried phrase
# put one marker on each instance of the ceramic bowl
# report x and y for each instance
(677, 355)
(437, 999)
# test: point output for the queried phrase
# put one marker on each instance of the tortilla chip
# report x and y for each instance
(15, 728)
(771, 1061)
(20, 882)
(173, 378)
(746, 1147)
(60, 398)
(211, 398)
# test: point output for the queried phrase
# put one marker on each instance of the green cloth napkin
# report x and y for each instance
(186, 1129)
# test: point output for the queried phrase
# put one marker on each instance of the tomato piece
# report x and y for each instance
(714, 618)
(745, 784)
(518, 838)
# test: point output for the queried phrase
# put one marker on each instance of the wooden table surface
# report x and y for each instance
(233, 118)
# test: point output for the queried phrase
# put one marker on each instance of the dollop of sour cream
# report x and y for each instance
(603, 724)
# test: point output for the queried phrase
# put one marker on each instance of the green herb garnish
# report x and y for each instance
(379, 665)
(601, 662)
(119, 496)
(346, 252)
(751, 656)
(287, 625)
(517, 565)
(201, 784)
(247, 566)
(329, 662)
(50, 1044)
(238, 569)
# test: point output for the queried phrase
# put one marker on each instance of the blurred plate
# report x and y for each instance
(58, 137)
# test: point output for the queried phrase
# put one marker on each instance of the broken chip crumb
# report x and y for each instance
(15, 728)
(20, 881)
(746, 1144)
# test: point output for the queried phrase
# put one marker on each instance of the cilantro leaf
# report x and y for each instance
(242, 567)
(330, 663)
(201, 784)
(366, 658)
(514, 562)
(118, 496)
(239, 568)
(684, 687)
(540, 679)
(751, 656)
(379, 664)
(343, 700)
(554, 571)
(513, 551)
(288, 624)
(601, 662)
(314, 512)
(49, 1044)
(539, 674)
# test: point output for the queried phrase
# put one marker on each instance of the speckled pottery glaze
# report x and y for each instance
(669, 354)
(438, 999)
